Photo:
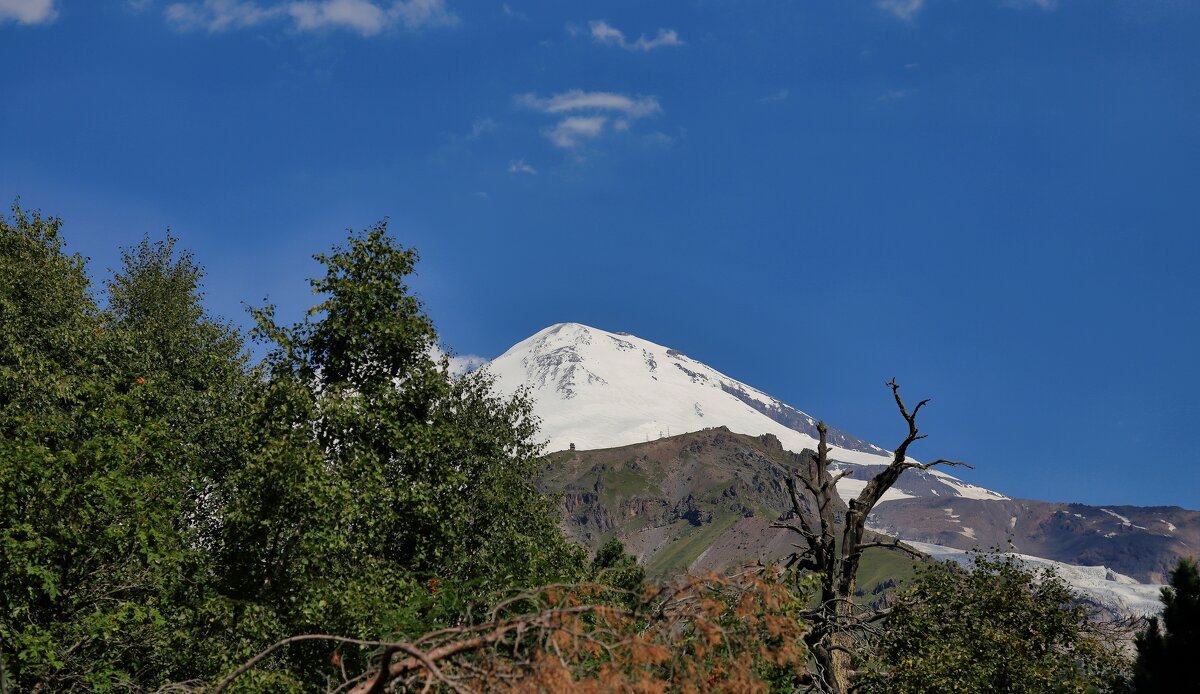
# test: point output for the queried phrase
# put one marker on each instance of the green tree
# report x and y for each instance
(197, 364)
(381, 494)
(166, 511)
(102, 561)
(997, 627)
(1166, 655)
(49, 328)
(612, 566)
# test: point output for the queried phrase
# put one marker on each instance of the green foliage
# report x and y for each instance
(169, 511)
(997, 627)
(1166, 656)
(613, 567)
(48, 328)
(101, 560)
(378, 488)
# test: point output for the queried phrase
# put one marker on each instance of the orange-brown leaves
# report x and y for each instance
(701, 634)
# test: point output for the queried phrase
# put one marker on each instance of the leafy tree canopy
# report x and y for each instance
(109, 421)
(379, 494)
(169, 510)
(997, 627)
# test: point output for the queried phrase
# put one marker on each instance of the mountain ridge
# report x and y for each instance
(706, 501)
(600, 393)
(598, 389)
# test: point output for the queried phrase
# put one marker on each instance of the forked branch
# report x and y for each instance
(835, 624)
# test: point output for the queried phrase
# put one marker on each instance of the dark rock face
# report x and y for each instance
(689, 511)
(712, 492)
(694, 375)
(583, 510)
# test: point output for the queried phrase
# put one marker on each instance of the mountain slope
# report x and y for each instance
(705, 501)
(1144, 543)
(597, 389)
(696, 502)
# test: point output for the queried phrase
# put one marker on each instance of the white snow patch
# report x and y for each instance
(849, 488)
(1116, 591)
(967, 490)
(1124, 521)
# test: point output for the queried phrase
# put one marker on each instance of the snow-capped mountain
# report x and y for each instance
(595, 389)
(598, 389)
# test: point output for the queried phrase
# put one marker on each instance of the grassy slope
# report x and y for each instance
(643, 490)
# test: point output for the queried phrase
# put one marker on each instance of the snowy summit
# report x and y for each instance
(599, 389)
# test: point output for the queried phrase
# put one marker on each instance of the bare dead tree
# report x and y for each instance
(836, 621)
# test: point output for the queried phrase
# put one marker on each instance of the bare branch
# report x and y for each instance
(891, 545)
(798, 509)
(793, 528)
(811, 489)
(381, 679)
(899, 403)
(390, 648)
(939, 461)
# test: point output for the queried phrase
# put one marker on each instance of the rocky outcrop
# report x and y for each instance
(705, 498)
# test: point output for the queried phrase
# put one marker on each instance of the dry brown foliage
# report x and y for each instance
(738, 633)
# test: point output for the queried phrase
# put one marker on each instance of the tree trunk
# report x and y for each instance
(834, 621)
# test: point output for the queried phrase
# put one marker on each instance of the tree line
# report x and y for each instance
(346, 514)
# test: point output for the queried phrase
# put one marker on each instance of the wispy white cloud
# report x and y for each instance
(362, 16)
(480, 127)
(895, 95)
(419, 14)
(579, 100)
(780, 95)
(658, 139)
(520, 167)
(509, 11)
(901, 9)
(588, 115)
(28, 11)
(219, 15)
(466, 363)
(366, 17)
(606, 34)
(459, 363)
(571, 132)
(1046, 5)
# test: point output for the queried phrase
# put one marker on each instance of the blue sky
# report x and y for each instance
(994, 201)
